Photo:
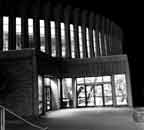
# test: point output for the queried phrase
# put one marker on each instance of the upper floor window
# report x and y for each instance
(88, 42)
(100, 44)
(63, 41)
(72, 41)
(94, 43)
(42, 35)
(53, 39)
(18, 34)
(80, 41)
(30, 32)
(5, 33)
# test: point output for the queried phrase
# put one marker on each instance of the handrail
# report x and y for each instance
(2, 112)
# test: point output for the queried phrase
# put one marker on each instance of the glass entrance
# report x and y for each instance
(94, 95)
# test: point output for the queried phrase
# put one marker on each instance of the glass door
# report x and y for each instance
(48, 98)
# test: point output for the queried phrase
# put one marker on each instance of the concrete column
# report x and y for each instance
(12, 33)
(36, 38)
(46, 13)
(102, 28)
(74, 92)
(76, 39)
(129, 86)
(35, 11)
(57, 17)
(24, 32)
(91, 24)
(97, 34)
(113, 91)
(1, 33)
(67, 14)
(108, 37)
(84, 40)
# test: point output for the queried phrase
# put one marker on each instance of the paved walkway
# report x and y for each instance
(88, 119)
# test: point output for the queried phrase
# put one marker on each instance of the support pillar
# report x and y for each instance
(67, 13)
(76, 37)
(12, 33)
(57, 17)
(84, 40)
(1, 33)
(91, 24)
(97, 35)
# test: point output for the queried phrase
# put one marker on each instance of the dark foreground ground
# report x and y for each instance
(83, 119)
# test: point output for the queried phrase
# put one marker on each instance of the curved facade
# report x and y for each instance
(61, 57)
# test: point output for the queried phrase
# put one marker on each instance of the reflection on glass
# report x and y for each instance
(72, 41)
(5, 33)
(18, 34)
(53, 39)
(42, 35)
(67, 92)
(121, 89)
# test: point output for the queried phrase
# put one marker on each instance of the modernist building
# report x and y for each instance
(55, 56)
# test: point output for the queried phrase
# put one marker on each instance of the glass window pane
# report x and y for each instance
(80, 41)
(18, 34)
(120, 85)
(88, 42)
(90, 80)
(5, 33)
(42, 35)
(98, 90)
(63, 41)
(72, 41)
(107, 90)
(99, 101)
(121, 100)
(80, 91)
(53, 40)
(94, 43)
(47, 81)
(106, 78)
(67, 88)
(81, 102)
(80, 80)
(100, 44)
(108, 100)
(99, 79)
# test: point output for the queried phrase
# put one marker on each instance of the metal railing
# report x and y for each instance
(3, 110)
